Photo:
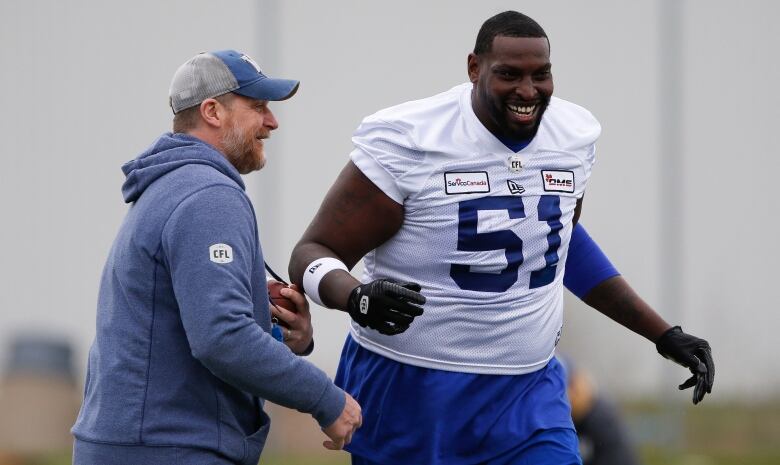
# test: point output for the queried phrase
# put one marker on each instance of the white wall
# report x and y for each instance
(86, 88)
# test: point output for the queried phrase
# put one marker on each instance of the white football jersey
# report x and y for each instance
(485, 233)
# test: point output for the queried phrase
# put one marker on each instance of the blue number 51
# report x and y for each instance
(469, 240)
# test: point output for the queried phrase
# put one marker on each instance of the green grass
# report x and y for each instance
(720, 434)
(658, 457)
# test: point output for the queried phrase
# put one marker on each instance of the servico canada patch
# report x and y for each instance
(558, 181)
(461, 182)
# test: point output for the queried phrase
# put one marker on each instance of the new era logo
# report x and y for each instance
(514, 187)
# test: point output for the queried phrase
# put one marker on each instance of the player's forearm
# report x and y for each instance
(615, 299)
(334, 288)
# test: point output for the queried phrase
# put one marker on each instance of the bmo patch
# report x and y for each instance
(466, 182)
(221, 253)
(558, 181)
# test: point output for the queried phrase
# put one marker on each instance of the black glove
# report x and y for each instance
(692, 353)
(385, 305)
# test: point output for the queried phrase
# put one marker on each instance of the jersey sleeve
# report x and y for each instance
(385, 153)
(587, 265)
(210, 246)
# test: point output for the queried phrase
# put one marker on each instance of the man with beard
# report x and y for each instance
(183, 357)
(465, 202)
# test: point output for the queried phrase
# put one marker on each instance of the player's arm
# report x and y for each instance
(355, 217)
(590, 275)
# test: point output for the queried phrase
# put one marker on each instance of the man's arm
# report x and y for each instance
(216, 305)
(615, 298)
(592, 277)
(586, 264)
(356, 217)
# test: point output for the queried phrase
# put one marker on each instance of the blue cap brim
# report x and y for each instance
(267, 88)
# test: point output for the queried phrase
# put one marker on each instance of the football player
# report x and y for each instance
(464, 204)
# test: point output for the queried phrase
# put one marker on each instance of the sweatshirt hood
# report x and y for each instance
(169, 152)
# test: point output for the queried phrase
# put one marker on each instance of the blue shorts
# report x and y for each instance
(546, 447)
(435, 417)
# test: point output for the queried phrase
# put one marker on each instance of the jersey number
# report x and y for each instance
(469, 240)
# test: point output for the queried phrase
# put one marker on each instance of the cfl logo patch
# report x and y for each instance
(221, 253)
(515, 163)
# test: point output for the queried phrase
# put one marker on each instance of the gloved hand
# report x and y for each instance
(386, 306)
(692, 353)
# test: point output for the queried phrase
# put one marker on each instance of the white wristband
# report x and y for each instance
(314, 274)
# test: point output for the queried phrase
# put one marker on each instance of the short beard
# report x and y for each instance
(527, 133)
(240, 151)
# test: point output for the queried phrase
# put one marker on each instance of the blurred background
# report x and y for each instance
(681, 199)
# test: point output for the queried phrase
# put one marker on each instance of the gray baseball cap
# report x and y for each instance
(208, 75)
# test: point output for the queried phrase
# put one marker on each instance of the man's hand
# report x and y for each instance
(692, 353)
(385, 306)
(297, 329)
(340, 431)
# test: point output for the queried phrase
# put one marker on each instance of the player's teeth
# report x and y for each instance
(522, 110)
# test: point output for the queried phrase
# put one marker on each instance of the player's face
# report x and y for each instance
(512, 85)
(249, 122)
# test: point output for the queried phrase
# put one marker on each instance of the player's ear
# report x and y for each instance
(211, 112)
(472, 66)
